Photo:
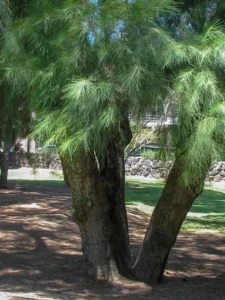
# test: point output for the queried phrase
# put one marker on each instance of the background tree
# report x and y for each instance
(15, 114)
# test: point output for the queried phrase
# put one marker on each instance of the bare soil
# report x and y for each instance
(40, 254)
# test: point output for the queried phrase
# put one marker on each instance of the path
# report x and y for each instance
(40, 255)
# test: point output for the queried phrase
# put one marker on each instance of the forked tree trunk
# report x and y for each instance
(99, 209)
(165, 224)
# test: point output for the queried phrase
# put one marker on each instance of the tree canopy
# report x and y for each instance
(88, 68)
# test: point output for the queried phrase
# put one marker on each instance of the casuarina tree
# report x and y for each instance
(87, 66)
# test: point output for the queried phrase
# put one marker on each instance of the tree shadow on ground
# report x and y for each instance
(40, 249)
(40, 252)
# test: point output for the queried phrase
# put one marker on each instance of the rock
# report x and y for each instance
(127, 168)
(219, 165)
(155, 173)
(128, 161)
(161, 164)
(145, 168)
(222, 173)
(213, 172)
(169, 163)
(136, 167)
(163, 174)
(145, 173)
(136, 160)
(155, 164)
(141, 161)
(133, 172)
(217, 178)
(163, 170)
(147, 162)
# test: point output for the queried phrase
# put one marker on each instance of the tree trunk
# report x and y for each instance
(99, 209)
(5, 165)
(165, 224)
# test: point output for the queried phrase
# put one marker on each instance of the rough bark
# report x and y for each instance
(99, 209)
(165, 224)
(4, 157)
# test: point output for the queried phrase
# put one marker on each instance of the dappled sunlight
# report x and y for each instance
(32, 205)
(202, 251)
(41, 257)
(13, 241)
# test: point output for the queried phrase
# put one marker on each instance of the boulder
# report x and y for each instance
(135, 160)
(136, 167)
(145, 173)
(163, 174)
(128, 161)
(147, 162)
(127, 168)
(161, 164)
(213, 172)
(217, 178)
(155, 173)
(133, 172)
(155, 164)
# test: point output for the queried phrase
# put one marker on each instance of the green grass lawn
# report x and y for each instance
(59, 182)
(210, 203)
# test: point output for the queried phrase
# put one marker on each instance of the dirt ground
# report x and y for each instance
(40, 254)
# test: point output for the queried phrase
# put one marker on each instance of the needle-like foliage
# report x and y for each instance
(199, 92)
(5, 16)
(87, 65)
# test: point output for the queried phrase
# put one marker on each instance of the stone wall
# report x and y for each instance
(48, 160)
(134, 166)
(137, 166)
(217, 172)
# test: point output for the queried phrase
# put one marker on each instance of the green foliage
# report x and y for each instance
(15, 114)
(150, 154)
(199, 93)
(86, 67)
(158, 154)
(5, 16)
